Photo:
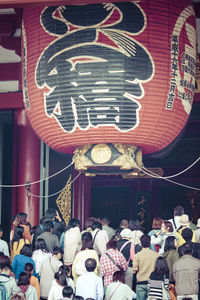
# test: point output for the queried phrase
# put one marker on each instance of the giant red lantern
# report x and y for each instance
(116, 74)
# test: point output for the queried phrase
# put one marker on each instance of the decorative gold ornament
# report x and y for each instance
(64, 201)
(81, 161)
(101, 153)
(108, 158)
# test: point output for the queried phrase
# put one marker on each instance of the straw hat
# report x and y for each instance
(125, 233)
(184, 220)
(198, 223)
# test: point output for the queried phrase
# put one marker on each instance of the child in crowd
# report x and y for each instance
(63, 269)
(67, 293)
(33, 280)
(24, 284)
(40, 254)
(8, 281)
(57, 289)
(4, 259)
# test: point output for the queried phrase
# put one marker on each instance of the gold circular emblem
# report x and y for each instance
(101, 153)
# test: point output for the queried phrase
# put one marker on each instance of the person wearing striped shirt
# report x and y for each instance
(158, 278)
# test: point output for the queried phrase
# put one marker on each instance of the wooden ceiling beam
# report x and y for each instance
(11, 43)
(6, 28)
(31, 3)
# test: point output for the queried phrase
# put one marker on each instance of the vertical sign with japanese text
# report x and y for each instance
(142, 200)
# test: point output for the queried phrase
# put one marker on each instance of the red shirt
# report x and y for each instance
(108, 268)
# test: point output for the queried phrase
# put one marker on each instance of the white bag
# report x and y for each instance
(165, 293)
(80, 268)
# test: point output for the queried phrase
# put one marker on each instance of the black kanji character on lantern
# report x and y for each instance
(91, 83)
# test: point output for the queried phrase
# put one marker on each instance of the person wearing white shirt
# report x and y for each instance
(3, 244)
(178, 212)
(197, 231)
(100, 238)
(118, 289)
(89, 285)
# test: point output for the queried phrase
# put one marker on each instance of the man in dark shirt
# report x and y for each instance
(187, 234)
(50, 238)
(50, 215)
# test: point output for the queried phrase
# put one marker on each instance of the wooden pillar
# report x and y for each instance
(26, 167)
(81, 198)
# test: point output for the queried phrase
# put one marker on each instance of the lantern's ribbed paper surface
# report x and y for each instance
(109, 73)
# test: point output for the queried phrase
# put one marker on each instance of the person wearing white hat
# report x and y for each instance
(184, 222)
(126, 247)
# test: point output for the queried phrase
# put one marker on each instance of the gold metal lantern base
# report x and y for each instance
(108, 159)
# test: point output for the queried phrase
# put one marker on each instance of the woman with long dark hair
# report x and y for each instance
(33, 280)
(40, 253)
(63, 269)
(87, 251)
(25, 224)
(16, 222)
(21, 259)
(171, 253)
(17, 242)
(118, 289)
(62, 279)
(21, 220)
(158, 278)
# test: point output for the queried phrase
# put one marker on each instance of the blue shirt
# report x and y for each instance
(18, 264)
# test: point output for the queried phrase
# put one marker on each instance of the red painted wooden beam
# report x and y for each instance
(11, 43)
(11, 101)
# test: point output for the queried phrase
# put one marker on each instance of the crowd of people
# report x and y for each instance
(57, 261)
